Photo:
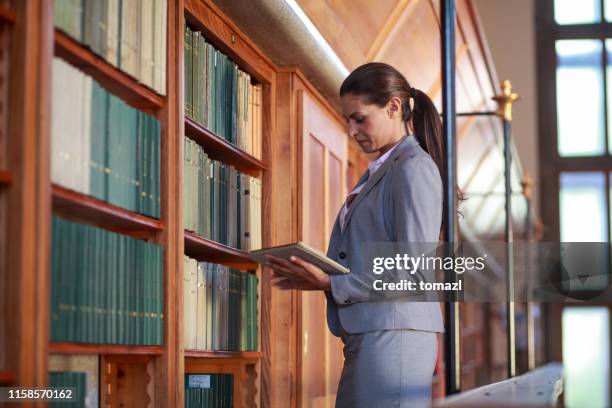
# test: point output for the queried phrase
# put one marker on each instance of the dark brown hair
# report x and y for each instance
(377, 83)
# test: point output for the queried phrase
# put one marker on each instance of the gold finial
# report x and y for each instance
(505, 100)
(527, 184)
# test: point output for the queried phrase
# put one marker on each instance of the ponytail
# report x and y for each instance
(427, 125)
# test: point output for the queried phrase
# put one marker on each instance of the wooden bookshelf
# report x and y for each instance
(247, 355)
(6, 178)
(206, 250)
(6, 377)
(35, 41)
(110, 77)
(7, 15)
(81, 348)
(219, 149)
(73, 205)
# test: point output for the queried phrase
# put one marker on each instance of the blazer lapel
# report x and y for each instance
(406, 143)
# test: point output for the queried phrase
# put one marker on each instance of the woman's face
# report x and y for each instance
(373, 128)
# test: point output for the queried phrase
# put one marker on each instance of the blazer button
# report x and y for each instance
(342, 255)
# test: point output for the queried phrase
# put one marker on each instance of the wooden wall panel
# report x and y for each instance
(323, 181)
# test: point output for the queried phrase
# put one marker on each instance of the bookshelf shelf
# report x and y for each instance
(78, 348)
(243, 355)
(219, 149)
(6, 178)
(6, 377)
(75, 205)
(7, 15)
(204, 249)
(116, 81)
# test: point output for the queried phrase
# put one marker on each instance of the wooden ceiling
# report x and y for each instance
(406, 34)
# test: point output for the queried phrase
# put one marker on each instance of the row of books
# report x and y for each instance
(76, 381)
(220, 96)
(102, 147)
(129, 34)
(220, 203)
(105, 287)
(209, 390)
(220, 307)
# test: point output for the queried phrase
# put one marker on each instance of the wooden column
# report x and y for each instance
(28, 198)
(170, 366)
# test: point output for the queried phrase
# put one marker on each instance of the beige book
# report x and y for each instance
(146, 45)
(112, 32)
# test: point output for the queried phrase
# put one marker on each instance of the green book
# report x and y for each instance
(186, 177)
(137, 187)
(156, 168)
(160, 292)
(210, 86)
(203, 73)
(109, 287)
(82, 274)
(130, 164)
(234, 107)
(116, 149)
(94, 27)
(76, 267)
(76, 380)
(67, 15)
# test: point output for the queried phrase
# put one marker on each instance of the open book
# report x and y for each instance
(303, 251)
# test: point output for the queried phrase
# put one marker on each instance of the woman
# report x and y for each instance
(390, 344)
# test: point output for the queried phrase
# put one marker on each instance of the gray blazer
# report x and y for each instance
(401, 202)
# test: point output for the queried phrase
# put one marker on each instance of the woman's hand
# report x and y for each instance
(297, 274)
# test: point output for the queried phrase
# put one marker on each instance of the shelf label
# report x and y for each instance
(198, 381)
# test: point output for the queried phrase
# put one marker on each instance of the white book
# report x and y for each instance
(159, 45)
(186, 302)
(259, 127)
(58, 123)
(208, 279)
(129, 54)
(146, 45)
(71, 144)
(112, 32)
(84, 170)
(250, 125)
(164, 29)
(257, 214)
(194, 291)
(200, 307)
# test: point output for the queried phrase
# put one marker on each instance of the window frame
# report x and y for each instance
(551, 164)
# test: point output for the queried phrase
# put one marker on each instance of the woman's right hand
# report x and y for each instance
(284, 283)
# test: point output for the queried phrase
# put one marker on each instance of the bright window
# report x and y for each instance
(586, 356)
(582, 207)
(578, 11)
(580, 104)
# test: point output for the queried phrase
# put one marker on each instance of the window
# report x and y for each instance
(575, 115)
(586, 359)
